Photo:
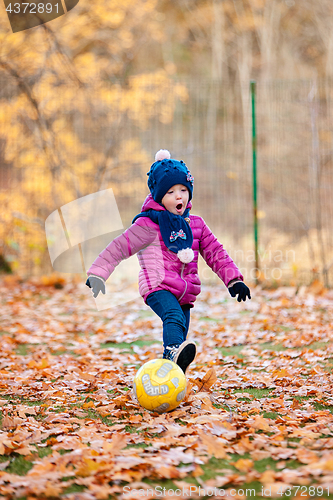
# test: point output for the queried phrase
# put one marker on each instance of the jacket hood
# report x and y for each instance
(150, 203)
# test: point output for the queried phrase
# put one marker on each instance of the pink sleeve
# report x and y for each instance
(217, 257)
(131, 241)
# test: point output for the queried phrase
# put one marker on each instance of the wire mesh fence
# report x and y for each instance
(205, 123)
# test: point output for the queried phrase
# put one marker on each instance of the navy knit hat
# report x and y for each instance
(165, 173)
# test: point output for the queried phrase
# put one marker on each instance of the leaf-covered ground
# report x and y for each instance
(258, 413)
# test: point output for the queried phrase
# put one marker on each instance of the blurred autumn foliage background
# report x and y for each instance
(87, 99)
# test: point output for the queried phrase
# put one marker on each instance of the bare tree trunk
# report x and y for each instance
(218, 47)
(322, 17)
(315, 178)
(244, 65)
(267, 35)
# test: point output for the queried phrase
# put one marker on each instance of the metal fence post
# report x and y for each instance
(254, 178)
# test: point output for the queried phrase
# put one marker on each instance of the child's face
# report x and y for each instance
(176, 199)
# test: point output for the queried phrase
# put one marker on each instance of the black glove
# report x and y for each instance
(241, 289)
(96, 284)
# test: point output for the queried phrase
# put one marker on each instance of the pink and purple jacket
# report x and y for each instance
(160, 268)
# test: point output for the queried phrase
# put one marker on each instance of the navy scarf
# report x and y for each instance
(176, 232)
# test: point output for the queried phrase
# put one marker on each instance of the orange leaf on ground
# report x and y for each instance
(118, 442)
(189, 390)
(198, 471)
(135, 419)
(105, 410)
(306, 456)
(214, 445)
(243, 464)
(100, 492)
(90, 404)
(260, 423)
(89, 467)
(79, 413)
(283, 373)
(205, 383)
(296, 404)
(244, 446)
(11, 422)
(44, 363)
(41, 467)
(168, 472)
(267, 477)
(328, 464)
(316, 287)
(260, 455)
(52, 490)
(24, 450)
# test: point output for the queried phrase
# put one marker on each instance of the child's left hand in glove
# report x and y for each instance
(96, 284)
(241, 290)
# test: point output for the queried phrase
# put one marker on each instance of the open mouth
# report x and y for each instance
(179, 206)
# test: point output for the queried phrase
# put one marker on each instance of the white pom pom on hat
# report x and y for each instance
(162, 154)
(185, 255)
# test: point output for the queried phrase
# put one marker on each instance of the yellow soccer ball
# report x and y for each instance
(160, 385)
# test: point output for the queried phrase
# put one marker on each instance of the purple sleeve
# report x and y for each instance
(217, 257)
(131, 241)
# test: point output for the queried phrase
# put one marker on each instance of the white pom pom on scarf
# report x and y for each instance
(185, 255)
(162, 154)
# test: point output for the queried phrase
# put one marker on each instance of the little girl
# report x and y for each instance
(168, 240)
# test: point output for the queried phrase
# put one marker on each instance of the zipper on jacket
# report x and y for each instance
(181, 275)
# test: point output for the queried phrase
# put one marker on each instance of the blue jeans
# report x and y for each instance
(176, 318)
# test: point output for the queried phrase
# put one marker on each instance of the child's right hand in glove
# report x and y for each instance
(96, 284)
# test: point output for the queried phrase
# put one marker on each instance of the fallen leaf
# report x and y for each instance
(260, 423)
(214, 446)
(168, 472)
(260, 455)
(118, 442)
(90, 404)
(135, 419)
(306, 456)
(267, 477)
(205, 383)
(243, 464)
